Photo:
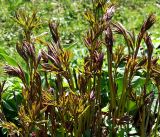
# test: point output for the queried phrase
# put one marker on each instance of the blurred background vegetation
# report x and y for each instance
(69, 14)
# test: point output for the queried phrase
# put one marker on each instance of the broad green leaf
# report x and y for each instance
(105, 109)
(9, 59)
(119, 82)
(131, 106)
(3, 51)
(7, 106)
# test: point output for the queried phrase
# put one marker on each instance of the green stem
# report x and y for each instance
(70, 80)
(99, 103)
(112, 90)
(143, 131)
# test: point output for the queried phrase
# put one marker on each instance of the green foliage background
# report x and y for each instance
(69, 13)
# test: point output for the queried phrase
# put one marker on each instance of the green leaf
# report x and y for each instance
(3, 51)
(69, 47)
(4, 132)
(138, 81)
(131, 106)
(7, 105)
(119, 82)
(105, 109)
(11, 99)
(8, 59)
